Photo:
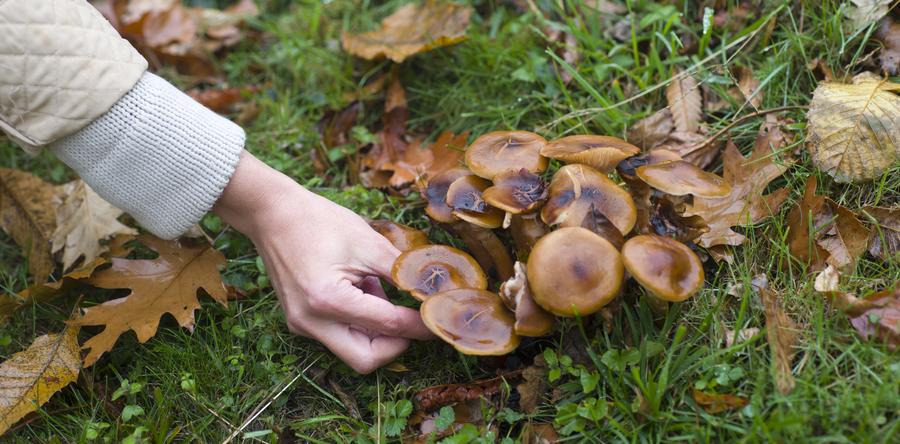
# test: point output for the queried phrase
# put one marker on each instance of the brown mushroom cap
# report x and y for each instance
(465, 198)
(576, 189)
(664, 266)
(403, 237)
(516, 191)
(600, 152)
(430, 269)
(531, 319)
(499, 151)
(475, 322)
(573, 270)
(680, 177)
(435, 194)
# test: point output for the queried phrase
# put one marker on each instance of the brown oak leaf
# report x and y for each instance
(685, 102)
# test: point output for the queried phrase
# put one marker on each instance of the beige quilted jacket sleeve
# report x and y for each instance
(62, 65)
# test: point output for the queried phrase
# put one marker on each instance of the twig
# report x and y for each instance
(738, 121)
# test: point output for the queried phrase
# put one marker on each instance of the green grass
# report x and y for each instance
(197, 386)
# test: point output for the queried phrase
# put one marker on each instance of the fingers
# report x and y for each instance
(378, 314)
(360, 351)
(372, 285)
(380, 259)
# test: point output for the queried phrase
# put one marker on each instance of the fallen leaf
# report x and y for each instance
(876, 316)
(853, 128)
(566, 47)
(867, 11)
(714, 403)
(685, 102)
(736, 337)
(167, 284)
(83, 221)
(782, 334)
(748, 177)
(653, 130)
(539, 434)
(828, 280)
(28, 215)
(40, 293)
(821, 232)
(412, 29)
(534, 385)
(448, 151)
(435, 397)
(30, 377)
(222, 100)
(884, 243)
(889, 34)
(748, 86)
(692, 147)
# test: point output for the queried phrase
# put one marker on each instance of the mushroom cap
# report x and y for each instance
(464, 196)
(516, 191)
(573, 270)
(531, 319)
(576, 189)
(403, 237)
(435, 194)
(426, 270)
(600, 152)
(627, 167)
(664, 266)
(475, 322)
(499, 151)
(680, 177)
(601, 226)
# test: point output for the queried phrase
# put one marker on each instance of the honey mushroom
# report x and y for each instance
(577, 190)
(573, 271)
(430, 269)
(602, 153)
(464, 196)
(520, 193)
(668, 269)
(500, 151)
(403, 237)
(679, 178)
(473, 321)
(531, 319)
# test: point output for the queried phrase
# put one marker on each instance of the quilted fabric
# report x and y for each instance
(62, 65)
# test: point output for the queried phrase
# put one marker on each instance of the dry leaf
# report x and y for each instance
(748, 177)
(167, 284)
(749, 87)
(876, 316)
(30, 377)
(867, 11)
(719, 402)
(853, 128)
(412, 29)
(435, 397)
(222, 100)
(45, 292)
(539, 434)
(652, 130)
(884, 243)
(534, 387)
(736, 337)
(28, 215)
(889, 34)
(781, 331)
(83, 220)
(685, 102)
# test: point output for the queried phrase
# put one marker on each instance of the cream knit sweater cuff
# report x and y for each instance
(158, 155)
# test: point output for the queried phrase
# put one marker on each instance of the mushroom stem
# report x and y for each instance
(486, 248)
(526, 229)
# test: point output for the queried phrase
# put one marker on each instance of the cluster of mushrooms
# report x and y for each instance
(571, 237)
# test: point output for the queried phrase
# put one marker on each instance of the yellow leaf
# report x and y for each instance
(30, 377)
(412, 29)
(82, 221)
(853, 128)
(28, 215)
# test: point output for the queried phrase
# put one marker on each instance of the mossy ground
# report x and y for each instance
(196, 386)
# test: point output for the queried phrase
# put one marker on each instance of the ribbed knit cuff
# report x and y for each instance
(157, 154)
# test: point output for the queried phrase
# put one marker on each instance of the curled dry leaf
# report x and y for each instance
(685, 102)
(853, 128)
(432, 398)
(30, 377)
(719, 402)
(889, 35)
(876, 316)
(45, 292)
(412, 29)
(781, 332)
(167, 284)
(83, 221)
(884, 243)
(28, 215)
(749, 177)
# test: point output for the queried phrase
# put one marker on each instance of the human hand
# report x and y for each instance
(324, 262)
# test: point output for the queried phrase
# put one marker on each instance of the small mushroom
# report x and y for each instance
(516, 191)
(602, 153)
(576, 189)
(531, 319)
(601, 226)
(464, 196)
(680, 178)
(574, 271)
(403, 237)
(668, 269)
(435, 194)
(430, 269)
(475, 322)
(526, 229)
(499, 151)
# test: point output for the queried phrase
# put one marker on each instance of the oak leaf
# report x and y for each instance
(166, 284)
(685, 102)
(782, 334)
(853, 128)
(30, 377)
(884, 242)
(748, 177)
(412, 29)
(718, 402)
(83, 221)
(28, 215)
(45, 292)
